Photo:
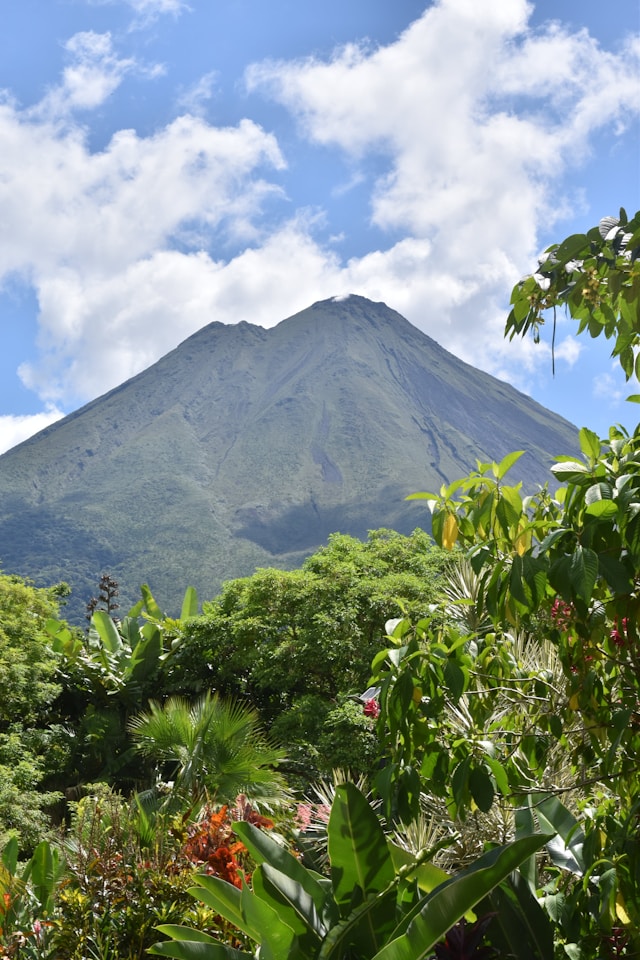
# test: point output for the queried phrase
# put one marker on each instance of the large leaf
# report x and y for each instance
(291, 903)
(264, 849)
(521, 928)
(44, 870)
(196, 948)
(226, 900)
(189, 604)
(448, 903)
(146, 654)
(366, 929)
(277, 940)
(361, 864)
(107, 631)
(566, 847)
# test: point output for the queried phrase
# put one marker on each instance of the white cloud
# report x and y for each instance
(148, 10)
(15, 429)
(89, 79)
(195, 99)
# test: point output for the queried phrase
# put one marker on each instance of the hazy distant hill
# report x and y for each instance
(246, 447)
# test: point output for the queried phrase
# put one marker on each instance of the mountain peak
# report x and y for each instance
(247, 447)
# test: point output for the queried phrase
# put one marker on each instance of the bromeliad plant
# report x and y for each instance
(379, 903)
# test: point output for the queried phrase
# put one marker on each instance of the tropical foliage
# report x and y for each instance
(484, 693)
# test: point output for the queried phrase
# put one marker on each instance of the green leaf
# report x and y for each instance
(583, 570)
(500, 469)
(264, 849)
(107, 631)
(523, 928)
(189, 604)
(151, 606)
(360, 861)
(10, 854)
(455, 678)
(589, 443)
(439, 911)
(195, 950)
(182, 934)
(146, 655)
(290, 902)
(602, 509)
(481, 788)
(565, 849)
(570, 470)
(276, 936)
(571, 247)
(364, 930)
(226, 900)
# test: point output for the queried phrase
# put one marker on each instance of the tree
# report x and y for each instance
(565, 564)
(210, 749)
(29, 686)
(295, 643)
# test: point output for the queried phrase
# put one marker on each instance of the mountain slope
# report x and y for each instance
(246, 447)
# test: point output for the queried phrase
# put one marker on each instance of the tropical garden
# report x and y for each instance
(410, 748)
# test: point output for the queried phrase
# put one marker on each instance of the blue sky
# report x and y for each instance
(164, 164)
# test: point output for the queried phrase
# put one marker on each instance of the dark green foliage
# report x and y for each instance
(28, 683)
(294, 643)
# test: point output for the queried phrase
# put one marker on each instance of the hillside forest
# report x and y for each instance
(411, 747)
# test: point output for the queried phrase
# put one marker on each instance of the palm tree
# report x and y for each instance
(216, 749)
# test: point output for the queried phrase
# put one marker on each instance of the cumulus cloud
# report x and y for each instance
(477, 117)
(15, 429)
(92, 75)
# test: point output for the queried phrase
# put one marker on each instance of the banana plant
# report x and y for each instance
(373, 906)
(119, 654)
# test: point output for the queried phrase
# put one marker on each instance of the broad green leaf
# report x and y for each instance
(360, 861)
(583, 570)
(182, 934)
(448, 903)
(44, 870)
(589, 443)
(570, 470)
(189, 604)
(520, 927)
(454, 678)
(571, 247)
(107, 631)
(195, 950)
(602, 509)
(151, 606)
(276, 936)
(264, 849)
(365, 929)
(226, 900)
(565, 849)
(10, 854)
(481, 788)
(146, 655)
(500, 469)
(290, 902)
(500, 774)
(597, 492)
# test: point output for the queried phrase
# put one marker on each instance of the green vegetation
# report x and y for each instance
(483, 693)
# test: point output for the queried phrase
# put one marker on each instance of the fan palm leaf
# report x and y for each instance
(212, 746)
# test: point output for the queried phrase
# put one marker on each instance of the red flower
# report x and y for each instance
(371, 708)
